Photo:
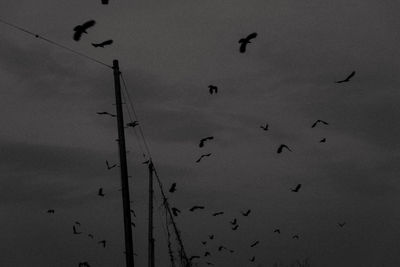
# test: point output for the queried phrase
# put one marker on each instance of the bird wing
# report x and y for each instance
(298, 187)
(201, 143)
(351, 75)
(108, 42)
(251, 36)
(242, 48)
(77, 34)
(88, 24)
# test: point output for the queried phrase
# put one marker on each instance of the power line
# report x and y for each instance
(53, 43)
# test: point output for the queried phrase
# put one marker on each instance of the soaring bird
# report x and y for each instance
(102, 44)
(109, 167)
(277, 231)
(265, 128)
(244, 41)
(172, 188)
(175, 211)
(341, 224)
(323, 140)
(254, 244)
(75, 231)
(234, 228)
(348, 78)
(204, 242)
(207, 254)
(234, 222)
(100, 193)
(106, 113)
(104, 2)
(50, 211)
(103, 242)
(202, 156)
(295, 236)
(281, 147)
(246, 213)
(221, 248)
(252, 259)
(196, 208)
(201, 144)
(319, 121)
(217, 213)
(296, 189)
(132, 124)
(81, 29)
(213, 89)
(211, 237)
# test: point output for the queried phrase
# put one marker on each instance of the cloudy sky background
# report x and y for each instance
(54, 146)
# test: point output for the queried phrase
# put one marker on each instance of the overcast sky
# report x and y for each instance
(54, 145)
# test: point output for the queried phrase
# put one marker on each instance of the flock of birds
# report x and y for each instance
(82, 29)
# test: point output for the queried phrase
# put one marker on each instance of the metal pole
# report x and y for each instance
(124, 169)
(151, 239)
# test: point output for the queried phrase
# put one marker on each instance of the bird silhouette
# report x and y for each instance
(296, 189)
(319, 121)
(104, 2)
(323, 140)
(211, 237)
(196, 208)
(75, 231)
(109, 167)
(281, 147)
(103, 242)
(175, 211)
(202, 156)
(265, 128)
(246, 213)
(244, 41)
(213, 89)
(252, 259)
(234, 228)
(201, 144)
(172, 189)
(102, 44)
(295, 236)
(277, 231)
(342, 224)
(132, 124)
(218, 213)
(207, 254)
(100, 193)
(84, 264)
(204, 242)
(106, 113)
(51, 211)
(81, 29)
(91, 236)
(220, 248)
(234, 221)
(347, 78)
(254, 244)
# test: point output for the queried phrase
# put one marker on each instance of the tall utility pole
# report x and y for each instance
(124, 169)
(151, 239)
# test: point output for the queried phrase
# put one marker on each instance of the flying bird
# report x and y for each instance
(172, 189)
(234, 221)
(109, 167)
(100, 193)
(75, 231)
(246, 213)
(221, 248)
(132, 124)
(218, 213)
(84, 264)
(348, 78)
(277, 231)
(91, 236)
(103, 242)
(211, 237)
(234, 228)
(254, 244)
(323, 140)
(81, 29)
(106, 113)
(104, 2)
(207, 254)
(341, 224)
(252, 259)
(213, 89)
(319, 121)
(295, 237)
(50, 211)
(175, 211)
(202, 156)
(196, 208)
(296, 189)
(204, 242)
(244, 41)
(102, 44)
(201, 144)
(265, 128)
(281, 147)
